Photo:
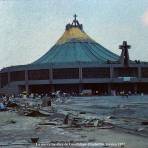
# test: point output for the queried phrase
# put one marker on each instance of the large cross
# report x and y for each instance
(125, 54)
(124, 46)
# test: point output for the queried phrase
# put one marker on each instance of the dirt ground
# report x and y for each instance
(17, 131)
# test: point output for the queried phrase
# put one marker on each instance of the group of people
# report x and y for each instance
(4, 101)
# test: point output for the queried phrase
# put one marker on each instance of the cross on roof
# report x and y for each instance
(124, 55)
(75, 21)
(75, 17)
(124, 46)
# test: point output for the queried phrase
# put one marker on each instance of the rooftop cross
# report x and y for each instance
(75, 21)
(124, 46)
(75, 17)
(124, 55)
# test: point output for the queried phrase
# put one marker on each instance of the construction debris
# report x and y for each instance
(144, 123)
(79, 122)
(2, 107)
(34, 139)
(43, 106)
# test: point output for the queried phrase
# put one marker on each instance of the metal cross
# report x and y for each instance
(75, 17)
(124, 46)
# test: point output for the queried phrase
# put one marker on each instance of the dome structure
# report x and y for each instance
(76, 46)
(75, 63)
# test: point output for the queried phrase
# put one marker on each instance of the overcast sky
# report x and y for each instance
(29, 28)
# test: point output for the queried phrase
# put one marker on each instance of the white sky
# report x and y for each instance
(28, 28)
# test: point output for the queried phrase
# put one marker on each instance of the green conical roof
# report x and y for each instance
(76, 46)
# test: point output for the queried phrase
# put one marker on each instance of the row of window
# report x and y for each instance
(4, 79)
(72, 73)
(126, 72)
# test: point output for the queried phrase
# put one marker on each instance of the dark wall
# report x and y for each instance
(40, 89)
(4, 79)
(66, 73)
(42, 74)
(126, 72)
(96, 72)
(144, 72)
(17, 76)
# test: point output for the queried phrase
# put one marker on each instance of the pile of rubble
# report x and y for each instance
(43, 106)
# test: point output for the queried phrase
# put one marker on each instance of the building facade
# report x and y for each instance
(76, 62)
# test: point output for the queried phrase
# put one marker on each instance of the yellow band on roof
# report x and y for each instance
(73, 33)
